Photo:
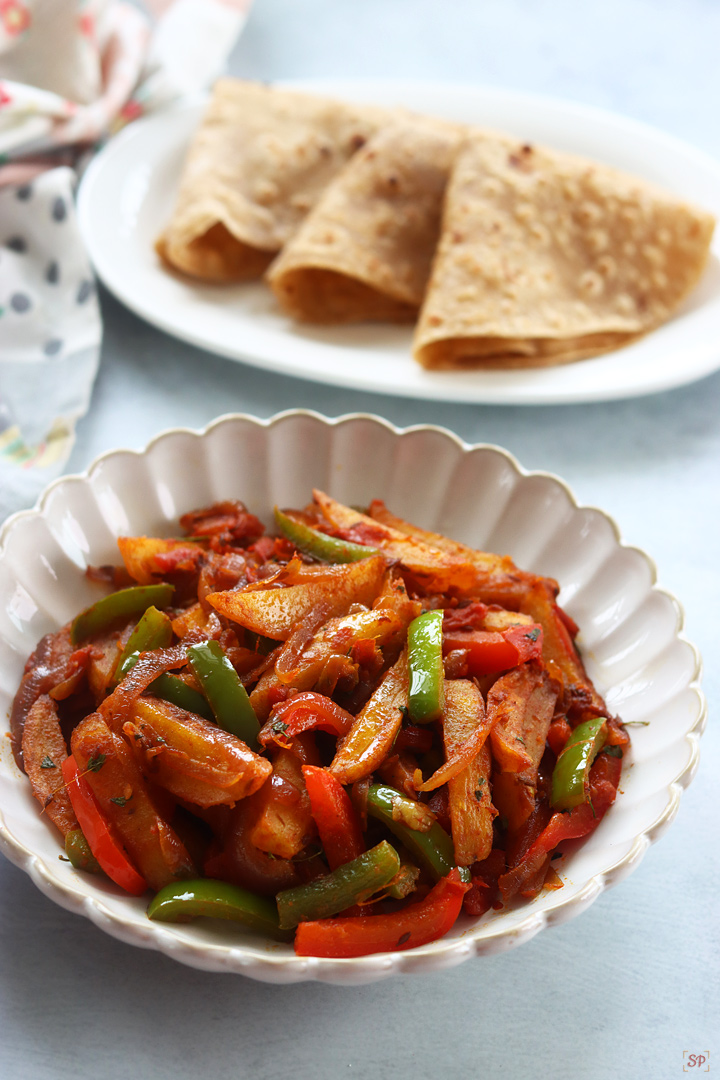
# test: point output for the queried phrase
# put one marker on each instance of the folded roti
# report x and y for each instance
(257, 164)
(546, 258)
(364, 251)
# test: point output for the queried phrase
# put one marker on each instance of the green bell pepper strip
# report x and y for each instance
(228, 697)
(349, 884)
(572, 768)
(170, 688)
(153, 631)
(426, 694)
(78, 852)
(434, 848)
(318, 544)
(208, 898)
(118, 605)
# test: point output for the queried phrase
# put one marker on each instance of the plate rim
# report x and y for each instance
(444, 953)
(437, 386)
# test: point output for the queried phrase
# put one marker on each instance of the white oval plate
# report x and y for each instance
(127, 197)
(631, 634)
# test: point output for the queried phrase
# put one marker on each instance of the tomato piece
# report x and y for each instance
(469, 617)
(616, 734)
(572, 825)
(489, 651)
(415, 925)
(102, 843)
(483, 892)
(584, 819)
(417, 739)
(305, 712)
(229, 518)
(558, 734)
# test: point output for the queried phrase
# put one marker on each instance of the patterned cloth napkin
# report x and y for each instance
(72, 73)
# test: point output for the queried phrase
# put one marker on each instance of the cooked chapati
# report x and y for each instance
(545, 258)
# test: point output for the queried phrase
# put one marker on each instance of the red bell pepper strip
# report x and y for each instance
(305, 712)
(102, 843)
(489, 651)
(335, 816)
(418, 924)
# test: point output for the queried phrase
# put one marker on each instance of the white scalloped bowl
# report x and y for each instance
(631, 637)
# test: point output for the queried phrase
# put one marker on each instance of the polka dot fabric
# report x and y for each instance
(47, 294)
(73, 73)
(50, 333)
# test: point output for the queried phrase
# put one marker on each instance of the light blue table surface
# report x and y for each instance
(630, 985)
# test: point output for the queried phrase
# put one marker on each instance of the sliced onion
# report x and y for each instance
(458, 760)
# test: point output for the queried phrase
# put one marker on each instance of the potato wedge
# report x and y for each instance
(469, 796)
(441, 567)
(337, 638)
(285, 825)
(559, 651)
(379, 512)
(118, 785)
(366, 745)
(149, 559)
(436, 567)
(521, 706)
(275, 611)
(192, 758)
(44, 751)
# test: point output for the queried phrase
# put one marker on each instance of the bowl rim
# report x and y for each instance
(263, 965)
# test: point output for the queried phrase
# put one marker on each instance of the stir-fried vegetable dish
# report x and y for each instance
(343, 734)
